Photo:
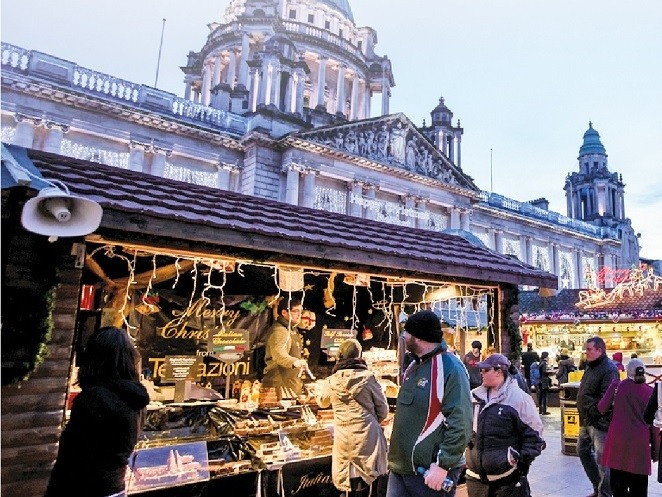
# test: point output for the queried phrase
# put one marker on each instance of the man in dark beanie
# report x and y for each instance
(471, 359)
(432, 423)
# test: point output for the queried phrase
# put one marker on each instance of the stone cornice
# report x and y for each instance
(121, 111)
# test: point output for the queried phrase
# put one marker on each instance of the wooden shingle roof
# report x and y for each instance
(165, 212)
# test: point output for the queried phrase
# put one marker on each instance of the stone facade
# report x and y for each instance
(277, 105)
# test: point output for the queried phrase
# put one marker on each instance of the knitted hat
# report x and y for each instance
(499, 361)
(476, 344)
(632, 366)
(424, 325)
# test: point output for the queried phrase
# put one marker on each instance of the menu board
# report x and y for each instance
(334, 337)
(182, 367)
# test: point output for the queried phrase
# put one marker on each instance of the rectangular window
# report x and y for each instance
(340, 33)
(327, 24)
(311, 18)
(359, 44)
(293, 14)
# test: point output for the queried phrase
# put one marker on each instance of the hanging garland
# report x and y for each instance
(26, 330)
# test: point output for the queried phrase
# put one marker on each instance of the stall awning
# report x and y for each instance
(161, 212)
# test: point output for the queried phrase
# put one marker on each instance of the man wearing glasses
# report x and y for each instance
(283, 349)
(593, 426)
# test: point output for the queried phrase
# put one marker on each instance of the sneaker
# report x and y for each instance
(545, 413)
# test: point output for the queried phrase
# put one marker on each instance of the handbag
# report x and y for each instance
(655, 443)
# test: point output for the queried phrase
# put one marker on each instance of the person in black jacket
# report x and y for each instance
(528, 358)
(593, 425)
(507, 434)
(103, 429)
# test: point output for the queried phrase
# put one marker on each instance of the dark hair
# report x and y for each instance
(285, 304)
(639, 375)
(109, 355)
(544, 355)
(598, 343)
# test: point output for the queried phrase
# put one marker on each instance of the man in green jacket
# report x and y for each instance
(432, 424)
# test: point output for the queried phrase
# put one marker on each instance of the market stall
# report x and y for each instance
(193, 274)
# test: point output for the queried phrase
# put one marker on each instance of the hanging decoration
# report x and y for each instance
(290, 279)
(640, 280)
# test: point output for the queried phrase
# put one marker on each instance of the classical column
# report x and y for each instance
(528, 245)
(232, 68)
(159, 158)
(354, 101)
(255, 88)
(367, 99)
(187, 90)
(451, 149)
(321, 81)
(455, 219)
(579, 280)
(292, 183)
(24, 132)
(301, 78)
(137, 155)
(309, 176)
(371, 193)
(206, 82)
(556, 260)
(410, 208)
(243, 63)
(458, 147)
(54, 135)
(216, 79)
(498, 241)
(465, 219)
(289, 104)
(386, 94)
(340, 91)
(422, 208)
(225, 172)
(264, 84)
(275, 86)
(356, 198)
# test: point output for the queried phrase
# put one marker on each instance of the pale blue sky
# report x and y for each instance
(523, 76)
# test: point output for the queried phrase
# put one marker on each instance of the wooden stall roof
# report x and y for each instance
(161, 212)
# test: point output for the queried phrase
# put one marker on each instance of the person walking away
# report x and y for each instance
(653, 417)
(283, 362)
(470, 360)
(617, 357)
(566, 366)
(545, 382)
(359, 406)
(102, 431)
(627, 451)
(432, 423)
(593, 425)
(528, 358)
(507, 434)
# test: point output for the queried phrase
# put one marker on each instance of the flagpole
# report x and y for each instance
(158, 61)
(491, 180)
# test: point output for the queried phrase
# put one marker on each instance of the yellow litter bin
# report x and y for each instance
(569, 417)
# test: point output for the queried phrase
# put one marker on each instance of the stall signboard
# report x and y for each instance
(182, 367)
(167, 466)
(334, 337)
(232, 341)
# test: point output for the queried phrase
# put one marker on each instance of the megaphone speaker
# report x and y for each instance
(56, 213)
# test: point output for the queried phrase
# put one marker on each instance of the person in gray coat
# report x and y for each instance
(359, 406)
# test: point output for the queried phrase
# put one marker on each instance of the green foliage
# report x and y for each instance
(27, 324)
(513, 327)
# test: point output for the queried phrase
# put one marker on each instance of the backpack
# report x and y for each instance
(534, 373)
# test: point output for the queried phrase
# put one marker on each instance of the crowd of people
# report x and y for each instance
(472, 416)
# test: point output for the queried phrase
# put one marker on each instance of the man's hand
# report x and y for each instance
(300, 364)
(435, 477)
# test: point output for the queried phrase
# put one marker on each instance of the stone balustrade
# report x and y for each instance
(40, 66)
(528, 210)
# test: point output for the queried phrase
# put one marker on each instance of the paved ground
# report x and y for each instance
(555, 474)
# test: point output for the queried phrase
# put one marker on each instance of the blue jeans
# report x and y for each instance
(590, 446)
(414, 485)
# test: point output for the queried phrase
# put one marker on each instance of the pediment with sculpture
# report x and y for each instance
(393, 141)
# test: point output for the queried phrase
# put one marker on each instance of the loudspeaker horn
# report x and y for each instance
(56, 213)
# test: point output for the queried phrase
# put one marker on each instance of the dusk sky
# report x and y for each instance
(524, 77)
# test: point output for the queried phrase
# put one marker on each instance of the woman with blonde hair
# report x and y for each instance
(359, 406)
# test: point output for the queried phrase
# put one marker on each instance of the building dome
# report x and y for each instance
(592, 143)
(342, 6)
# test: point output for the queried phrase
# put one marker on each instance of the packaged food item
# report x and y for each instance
(245, 391)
